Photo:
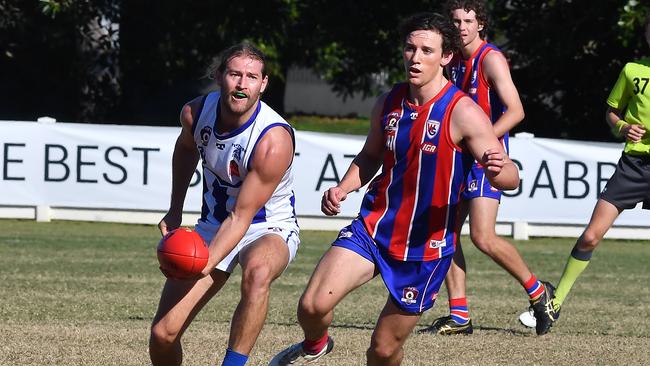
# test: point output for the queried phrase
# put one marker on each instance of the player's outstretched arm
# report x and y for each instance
(471, 126)
(272, 157)
(497, 73)
(364, 166)
(184, 161)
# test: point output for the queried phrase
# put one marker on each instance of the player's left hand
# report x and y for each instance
(634, 132)
(331, 201)
(493, 160)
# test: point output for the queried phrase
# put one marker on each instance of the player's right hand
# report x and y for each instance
(169, 222)
(331, 201)
(634, 132)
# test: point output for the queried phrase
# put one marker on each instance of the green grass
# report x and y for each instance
(349, 126)
(77, 293)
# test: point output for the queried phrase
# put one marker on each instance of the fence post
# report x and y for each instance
(520, 230)
(43, 213)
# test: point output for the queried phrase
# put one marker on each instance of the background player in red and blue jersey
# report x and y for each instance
(481, 70)
(406, 227)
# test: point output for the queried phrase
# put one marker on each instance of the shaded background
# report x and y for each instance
(137, 62)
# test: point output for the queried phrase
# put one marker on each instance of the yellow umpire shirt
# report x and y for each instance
(631, 93)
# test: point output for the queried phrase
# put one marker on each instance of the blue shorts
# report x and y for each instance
(413, 286)
(477, 185)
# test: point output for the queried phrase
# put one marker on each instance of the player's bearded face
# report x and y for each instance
(423, 58)
(467, 24)
(242, 83)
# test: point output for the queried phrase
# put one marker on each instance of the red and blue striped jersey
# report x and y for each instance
(468, 76)
(410, 208)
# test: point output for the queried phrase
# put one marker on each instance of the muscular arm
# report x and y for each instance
(497, 73)
(364, 166)
(184, 162)
(471, 125)
(272, 158)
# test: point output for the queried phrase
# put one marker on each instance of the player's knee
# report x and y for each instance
(589, 240)
(382, 352)
(310, 307)
(162, 337)
(484, 241)
(256, 278)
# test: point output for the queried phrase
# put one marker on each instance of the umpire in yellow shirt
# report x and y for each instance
(628, 114)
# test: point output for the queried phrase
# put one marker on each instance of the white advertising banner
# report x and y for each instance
(129, 167)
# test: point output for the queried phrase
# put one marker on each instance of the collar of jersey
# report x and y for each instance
(239, 129)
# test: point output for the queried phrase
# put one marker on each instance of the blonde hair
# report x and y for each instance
(219, 63)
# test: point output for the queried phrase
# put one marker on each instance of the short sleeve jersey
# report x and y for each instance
(631, 94)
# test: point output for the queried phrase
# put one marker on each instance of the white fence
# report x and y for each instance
(69, 171)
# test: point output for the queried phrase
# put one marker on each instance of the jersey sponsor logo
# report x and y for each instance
(435, 244)
(414, 116)
(345, 233)
(410, 295)
(473, 185)
(234, 169)
(428, 148)
(391, 130)
(205, 134)
(391, 125)
(237, 151)
(472, 91)
(220, 146)
(202, 152)
(432, 128)
(390, 140)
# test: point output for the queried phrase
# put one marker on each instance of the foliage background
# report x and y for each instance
(137, 62)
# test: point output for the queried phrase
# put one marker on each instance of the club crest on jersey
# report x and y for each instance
(206, 132)
(410, 295)
(237, 151)
(428, 148)
(234, 169)
(432, 128)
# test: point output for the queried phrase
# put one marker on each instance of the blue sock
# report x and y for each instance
(233, 358)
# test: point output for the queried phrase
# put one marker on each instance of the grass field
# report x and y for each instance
(350, 126)
(76, 293)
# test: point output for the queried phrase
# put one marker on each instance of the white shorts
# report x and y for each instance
(287, 230)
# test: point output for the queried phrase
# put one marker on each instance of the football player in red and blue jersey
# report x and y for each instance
(481, 70)
(424, 134)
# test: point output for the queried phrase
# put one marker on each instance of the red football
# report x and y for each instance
(182, 253)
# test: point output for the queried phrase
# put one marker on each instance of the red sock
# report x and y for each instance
(534, 288)
(315, 346)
